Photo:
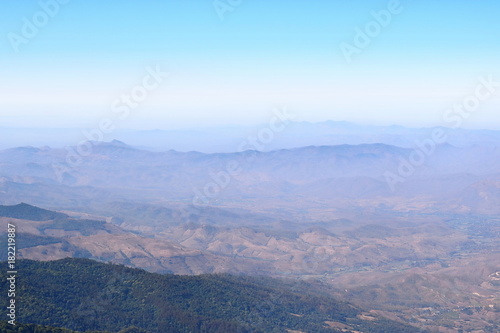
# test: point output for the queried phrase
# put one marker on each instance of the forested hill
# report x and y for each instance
(28, 212)
(5, 327)
(81, 294)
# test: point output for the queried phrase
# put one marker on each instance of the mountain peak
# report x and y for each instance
(25, 211)
(119, 143)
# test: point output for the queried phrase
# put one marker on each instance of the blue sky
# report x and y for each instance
(263, 54)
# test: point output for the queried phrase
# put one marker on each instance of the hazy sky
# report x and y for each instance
(234, 66)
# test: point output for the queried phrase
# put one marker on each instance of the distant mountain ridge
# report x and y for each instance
(115, 171)
(228, 138)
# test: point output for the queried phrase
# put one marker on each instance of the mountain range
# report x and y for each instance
(410, 231)
(372, 176)
(228, 138)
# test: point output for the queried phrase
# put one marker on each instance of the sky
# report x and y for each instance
(75, 63)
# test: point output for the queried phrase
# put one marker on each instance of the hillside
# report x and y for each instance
(66, 236)
(81, 294)
(421, 269)
(27, 212)
(33, 328)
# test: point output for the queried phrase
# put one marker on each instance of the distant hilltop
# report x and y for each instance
(27, 212)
